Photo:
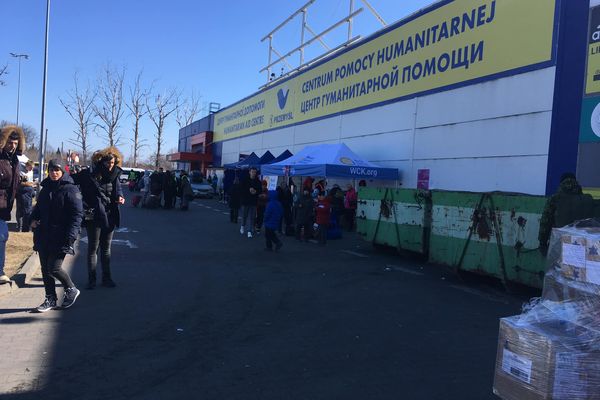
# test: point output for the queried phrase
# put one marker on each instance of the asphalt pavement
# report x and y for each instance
(203, 312)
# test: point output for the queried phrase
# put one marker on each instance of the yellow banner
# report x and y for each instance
(592, 82)
(457, 42)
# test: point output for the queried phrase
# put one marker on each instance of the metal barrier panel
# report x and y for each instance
(393, 217)
(495, 234)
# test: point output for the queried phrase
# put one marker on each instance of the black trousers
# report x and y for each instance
(233, 214)
(51, 263)
(99, 239)
(307, 231)
(322, 233)
(271, 238)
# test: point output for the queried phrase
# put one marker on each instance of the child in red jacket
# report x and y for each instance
(323, 214)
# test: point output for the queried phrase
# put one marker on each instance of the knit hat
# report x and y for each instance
(55, 164)
(567, 175)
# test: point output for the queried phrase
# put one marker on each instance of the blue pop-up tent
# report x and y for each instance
(283, 156)
(266, 158)
(251, 161)
(330, 160)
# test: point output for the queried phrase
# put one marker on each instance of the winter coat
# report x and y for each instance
(235, 196)
(350, 199)
(304, 210)
(9, 170)
(263, 197)
(170, 185)
(273, 212)
(59, 209)
(103, 206)
(25, 198)
(323, 211)
(156, 183)
(249, 199)
(185, 188)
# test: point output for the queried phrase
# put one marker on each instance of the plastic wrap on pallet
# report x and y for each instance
(559, 288)
(575, 251)
(550, 352)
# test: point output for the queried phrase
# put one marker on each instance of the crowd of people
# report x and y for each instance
(88, 197)
(312, 212)
(161, 189)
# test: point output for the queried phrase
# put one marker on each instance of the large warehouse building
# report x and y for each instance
(484, 94)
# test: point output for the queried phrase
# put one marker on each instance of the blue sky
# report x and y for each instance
(210, 47)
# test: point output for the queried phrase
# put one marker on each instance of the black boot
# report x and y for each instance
(108, 282)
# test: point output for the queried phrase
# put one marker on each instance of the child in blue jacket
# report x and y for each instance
(272, 221)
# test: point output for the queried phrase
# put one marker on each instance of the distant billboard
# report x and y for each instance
(452, 43)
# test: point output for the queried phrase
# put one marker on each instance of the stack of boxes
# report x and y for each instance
(552, 351)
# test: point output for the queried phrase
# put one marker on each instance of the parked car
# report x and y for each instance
(202, 190)
(199, 185)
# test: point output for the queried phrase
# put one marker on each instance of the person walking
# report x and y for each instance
(56, 220)
(273, 215)
(235, 200)
(185, 191)
(304, 215)
(12, 144)
(170, 190)
(214, 183)
(323, 216)
(25, 196)
(102, 196)
(261, 206)
(350, 202)
(251, 188)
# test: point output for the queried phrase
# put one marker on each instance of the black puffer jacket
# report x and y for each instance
(59, 210)
(101, 195)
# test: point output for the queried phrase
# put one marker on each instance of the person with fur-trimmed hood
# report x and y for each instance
(102, 196)
(12, 143)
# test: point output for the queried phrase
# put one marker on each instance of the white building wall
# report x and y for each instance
(484, 137)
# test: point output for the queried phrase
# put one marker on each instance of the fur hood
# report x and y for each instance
(100, 154)
(8, 130)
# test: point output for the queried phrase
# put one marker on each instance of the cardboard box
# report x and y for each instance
(580, 254)
(572, 256)
(558, 288)
(550, 360)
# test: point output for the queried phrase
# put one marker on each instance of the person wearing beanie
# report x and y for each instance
(102, 196)
(12, 144)
(56, 219)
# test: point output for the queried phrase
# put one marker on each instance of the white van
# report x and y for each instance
(125, 174)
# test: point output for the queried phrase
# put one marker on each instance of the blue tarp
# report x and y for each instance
(330, 160)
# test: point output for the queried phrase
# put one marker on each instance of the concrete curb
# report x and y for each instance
(23, 277)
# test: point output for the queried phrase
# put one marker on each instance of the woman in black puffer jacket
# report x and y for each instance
(56, 220)
(102, 196)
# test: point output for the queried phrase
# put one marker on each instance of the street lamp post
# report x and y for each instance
(43, 128)
(20, 57)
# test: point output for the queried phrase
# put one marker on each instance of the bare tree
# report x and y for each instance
(109, 107)
(161, 107)
(3, 71)
(79, 106)
(186, 113)
(138, 98)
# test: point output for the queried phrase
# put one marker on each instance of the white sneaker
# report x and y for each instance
(242, 230)
(249, 234)
(4, 279)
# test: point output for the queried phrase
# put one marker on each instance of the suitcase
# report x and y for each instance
(135, 200)
(153, 201)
